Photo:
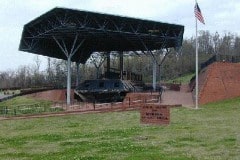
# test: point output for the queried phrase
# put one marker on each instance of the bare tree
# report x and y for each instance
(205, 42)
(98, 59)
(226, 46)
(216, 43)
(237, 46)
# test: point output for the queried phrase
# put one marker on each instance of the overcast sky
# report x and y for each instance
(219, 15)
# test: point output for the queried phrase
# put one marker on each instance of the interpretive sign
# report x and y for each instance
(155, 114)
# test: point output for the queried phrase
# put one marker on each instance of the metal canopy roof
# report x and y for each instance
(66, 31)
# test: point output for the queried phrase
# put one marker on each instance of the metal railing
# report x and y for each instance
(129, 103)
(27, 109)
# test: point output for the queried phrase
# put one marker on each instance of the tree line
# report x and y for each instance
(171, 63)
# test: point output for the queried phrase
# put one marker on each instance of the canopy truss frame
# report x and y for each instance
(77, 34)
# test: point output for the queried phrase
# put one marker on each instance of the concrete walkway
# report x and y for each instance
(177, 97)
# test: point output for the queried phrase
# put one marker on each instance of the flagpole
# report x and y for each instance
(196, 86)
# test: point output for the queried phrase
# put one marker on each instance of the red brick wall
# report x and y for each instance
(221, 82)
(52, 95)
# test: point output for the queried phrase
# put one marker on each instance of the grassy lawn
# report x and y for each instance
(19, 100)
(212, 132)
(23, 105)
(185, 79)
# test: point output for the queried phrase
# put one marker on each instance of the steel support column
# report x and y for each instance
(69, 55)
(69, 80)
(154, 61)
(108, 65)
(154, 80)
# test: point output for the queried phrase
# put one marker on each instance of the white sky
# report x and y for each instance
(219, 15)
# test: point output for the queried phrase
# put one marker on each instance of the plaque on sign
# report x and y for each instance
(155, 114)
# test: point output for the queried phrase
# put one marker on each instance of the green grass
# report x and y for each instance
(10, 92)
(23, 105)
(211, 132)
(183, 79)
(19, 101)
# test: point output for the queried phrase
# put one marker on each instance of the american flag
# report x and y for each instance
(198, 13)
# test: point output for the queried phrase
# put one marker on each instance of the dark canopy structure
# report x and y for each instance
(100, 32)
(73, 35)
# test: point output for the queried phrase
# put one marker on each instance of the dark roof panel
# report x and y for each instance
(57, 30)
